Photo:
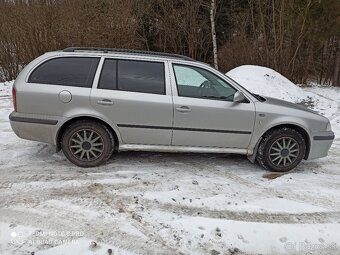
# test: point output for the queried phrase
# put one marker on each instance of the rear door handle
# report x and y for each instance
(105, 102)
(183, 109)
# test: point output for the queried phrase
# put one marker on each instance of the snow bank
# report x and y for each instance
(267, 82)
(6, 88)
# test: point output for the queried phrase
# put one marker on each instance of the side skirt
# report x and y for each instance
(170, 148)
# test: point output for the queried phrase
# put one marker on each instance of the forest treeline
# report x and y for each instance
(298, 38)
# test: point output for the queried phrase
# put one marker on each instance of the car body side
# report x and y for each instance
(47, 124)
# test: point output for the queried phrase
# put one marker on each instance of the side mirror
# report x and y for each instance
(239, 97)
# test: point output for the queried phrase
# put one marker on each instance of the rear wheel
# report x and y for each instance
(281, 150)
(87, 143)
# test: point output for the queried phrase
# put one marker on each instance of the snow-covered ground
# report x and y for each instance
(160, 203)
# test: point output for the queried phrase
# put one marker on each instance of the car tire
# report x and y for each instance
(281, 150)
(87, 143)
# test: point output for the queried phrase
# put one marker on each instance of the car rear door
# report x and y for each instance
(205, 114)
(135, 95)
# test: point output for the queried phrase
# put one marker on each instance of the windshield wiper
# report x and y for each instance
(258, 97)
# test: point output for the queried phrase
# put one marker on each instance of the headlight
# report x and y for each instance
(329, 127)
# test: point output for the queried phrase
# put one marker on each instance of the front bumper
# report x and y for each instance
(321, 142)
(34, 127)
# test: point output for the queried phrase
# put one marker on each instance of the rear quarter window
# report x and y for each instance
(66, 71)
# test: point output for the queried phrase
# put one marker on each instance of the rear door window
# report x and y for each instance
(133, 75)
(66, 71)
(141, 76)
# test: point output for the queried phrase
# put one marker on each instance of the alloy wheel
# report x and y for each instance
(284, 151)
(86, 145)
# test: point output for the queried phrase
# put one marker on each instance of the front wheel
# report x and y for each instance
(281, 150)
(87, 143)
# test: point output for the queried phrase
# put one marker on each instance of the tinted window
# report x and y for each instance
(78, 72)
(108, 77)
(141, 76)
(199, 83)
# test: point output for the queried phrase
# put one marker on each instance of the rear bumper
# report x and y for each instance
(35, 127)
(320, 144)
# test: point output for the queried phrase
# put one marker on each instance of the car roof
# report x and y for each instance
(127, 52)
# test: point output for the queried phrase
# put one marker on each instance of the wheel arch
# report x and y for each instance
(298, 128)
(67, 123)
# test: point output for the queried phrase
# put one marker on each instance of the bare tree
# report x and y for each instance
(213, 31)
(336, 75)
(300, 39)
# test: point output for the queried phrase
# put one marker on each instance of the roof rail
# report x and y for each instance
(128, 51)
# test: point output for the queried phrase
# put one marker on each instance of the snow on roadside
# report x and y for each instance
(267, 82)
(325, 91)
(326, 101)
(237, 237)
(6, 88)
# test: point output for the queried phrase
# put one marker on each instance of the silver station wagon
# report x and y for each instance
(91, 102)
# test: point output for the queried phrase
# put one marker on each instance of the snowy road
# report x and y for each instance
(159, 203)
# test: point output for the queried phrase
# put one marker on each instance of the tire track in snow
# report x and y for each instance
(272, 192)
(157, 244)
(270, 217)
(128, 200)
(111, 234)
(297, 197)
(36, 196)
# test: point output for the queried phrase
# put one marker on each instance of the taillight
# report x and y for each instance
(14, 98)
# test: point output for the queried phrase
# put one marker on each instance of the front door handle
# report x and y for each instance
(183, 109)
(105, 102)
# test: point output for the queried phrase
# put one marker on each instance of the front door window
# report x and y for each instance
(199, 83)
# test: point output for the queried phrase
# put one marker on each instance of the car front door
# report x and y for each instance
(204, 111)
(135, 95)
